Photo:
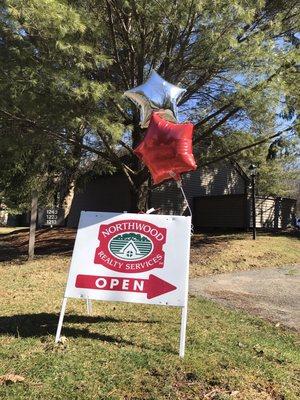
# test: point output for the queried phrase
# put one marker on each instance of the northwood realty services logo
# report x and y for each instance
(131, 246)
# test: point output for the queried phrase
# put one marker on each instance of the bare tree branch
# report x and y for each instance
(249, 146)
(123, 144)
(126, 170)
(213, 115)
(114, 41)
(217, 125)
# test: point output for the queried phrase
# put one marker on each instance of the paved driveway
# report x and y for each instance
(272, 293)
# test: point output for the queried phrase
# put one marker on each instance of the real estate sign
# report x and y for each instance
(137, 258)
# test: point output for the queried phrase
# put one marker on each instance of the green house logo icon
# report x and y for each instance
(130, 246)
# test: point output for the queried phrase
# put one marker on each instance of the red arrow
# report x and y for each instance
(153, 286)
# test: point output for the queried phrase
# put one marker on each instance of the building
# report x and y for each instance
(218, 196)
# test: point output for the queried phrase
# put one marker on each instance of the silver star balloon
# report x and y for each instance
(155, 94)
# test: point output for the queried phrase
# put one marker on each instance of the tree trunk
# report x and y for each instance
(66, 201)
(140, 196)
(140, 191)
(33, 218)
(69, 179)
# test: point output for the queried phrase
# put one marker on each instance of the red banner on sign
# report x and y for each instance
(153, 286)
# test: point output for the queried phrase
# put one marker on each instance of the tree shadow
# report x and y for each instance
(293, 233)
(44, 324)
(58, 241)
(215, 238)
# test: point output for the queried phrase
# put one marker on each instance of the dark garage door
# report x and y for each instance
(229, 211)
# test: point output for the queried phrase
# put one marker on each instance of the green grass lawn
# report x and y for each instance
(212, 254)
(129, 351)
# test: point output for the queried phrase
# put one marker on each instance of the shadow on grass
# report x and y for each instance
(14, 245)
(43, 324)
(214, 239)
(295, 233)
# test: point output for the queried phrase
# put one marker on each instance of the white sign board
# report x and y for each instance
(138, 258)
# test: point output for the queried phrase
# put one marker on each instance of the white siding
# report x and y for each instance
(220, 179)
(266, 213)
(273, 212)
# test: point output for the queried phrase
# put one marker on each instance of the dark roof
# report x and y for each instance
(240, 170)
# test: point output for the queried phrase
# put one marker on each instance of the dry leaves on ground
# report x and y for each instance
(11, 378)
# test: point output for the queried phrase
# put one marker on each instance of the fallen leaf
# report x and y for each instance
(11, 378)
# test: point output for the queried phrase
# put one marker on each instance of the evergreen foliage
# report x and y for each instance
(65, 65)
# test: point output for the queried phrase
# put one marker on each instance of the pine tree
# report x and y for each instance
(66, 64)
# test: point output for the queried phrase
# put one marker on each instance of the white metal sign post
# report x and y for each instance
(137, 258)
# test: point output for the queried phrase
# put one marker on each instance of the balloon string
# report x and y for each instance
(179, 185)
(185, 198)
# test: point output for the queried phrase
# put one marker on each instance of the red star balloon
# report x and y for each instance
(167, 149)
